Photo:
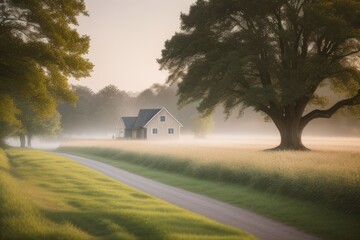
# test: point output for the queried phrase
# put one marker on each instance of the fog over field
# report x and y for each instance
(253, 143)
(97, 115)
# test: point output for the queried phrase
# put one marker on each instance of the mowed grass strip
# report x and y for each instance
(43, 196)
(20, 218)
(312, 217)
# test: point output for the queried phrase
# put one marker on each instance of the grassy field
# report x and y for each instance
(316, 191)
(326, 175)
(43, 196)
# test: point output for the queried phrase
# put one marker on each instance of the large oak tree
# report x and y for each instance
(40, 49)
(272, 55)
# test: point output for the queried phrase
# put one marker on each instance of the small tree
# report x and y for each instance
(43, 126)
(203, 125)
(271, 55)
(37, 122)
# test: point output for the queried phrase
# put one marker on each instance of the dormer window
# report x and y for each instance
(162, 118)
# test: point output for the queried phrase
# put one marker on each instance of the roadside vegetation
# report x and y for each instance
(317, 191)
(43, 196)
(327, 177)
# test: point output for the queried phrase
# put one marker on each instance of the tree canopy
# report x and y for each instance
(271, 55)
(40, 49)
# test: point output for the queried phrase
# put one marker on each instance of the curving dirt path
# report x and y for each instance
(227, 214)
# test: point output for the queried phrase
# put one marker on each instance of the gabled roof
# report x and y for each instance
(129, 122)
(168, 113)
(144, 116)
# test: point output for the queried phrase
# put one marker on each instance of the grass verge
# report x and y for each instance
(306, 215)
(43, 196)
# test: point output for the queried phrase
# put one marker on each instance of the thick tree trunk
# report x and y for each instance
(290, 122)
(290, 129)
(22, 140)
(29, 140)
(291, 138)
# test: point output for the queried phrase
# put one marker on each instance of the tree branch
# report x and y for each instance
(345, 55)
(329, 112)
(237, 21)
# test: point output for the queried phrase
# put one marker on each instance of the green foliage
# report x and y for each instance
(8, 113)
(55, 203)
(39, 50)
(44, 126)
(4, 164)
(269, 55)
(36, 120)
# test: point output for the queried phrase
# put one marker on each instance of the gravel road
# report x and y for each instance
(224, 213)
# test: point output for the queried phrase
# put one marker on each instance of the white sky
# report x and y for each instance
(127, 37)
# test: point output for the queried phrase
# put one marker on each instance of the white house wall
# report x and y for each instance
(162, 127)
(120, 131)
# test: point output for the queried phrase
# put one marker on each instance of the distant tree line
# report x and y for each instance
(99, 113)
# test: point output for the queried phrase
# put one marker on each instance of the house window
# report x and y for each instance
(154, 131)
(162, 118)
(170, 131)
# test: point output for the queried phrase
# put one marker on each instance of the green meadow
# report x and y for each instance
(43, 196)
(304, 194)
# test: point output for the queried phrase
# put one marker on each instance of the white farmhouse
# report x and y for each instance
(151, 124)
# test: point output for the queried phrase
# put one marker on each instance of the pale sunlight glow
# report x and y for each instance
(126, 39)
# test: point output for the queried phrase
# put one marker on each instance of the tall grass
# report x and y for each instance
(4, 163)
(55, 193)
(326, 177)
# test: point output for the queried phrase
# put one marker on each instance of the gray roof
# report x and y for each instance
(129, 122)
(144, 116)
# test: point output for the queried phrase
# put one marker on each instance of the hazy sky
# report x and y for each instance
(126, 38)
